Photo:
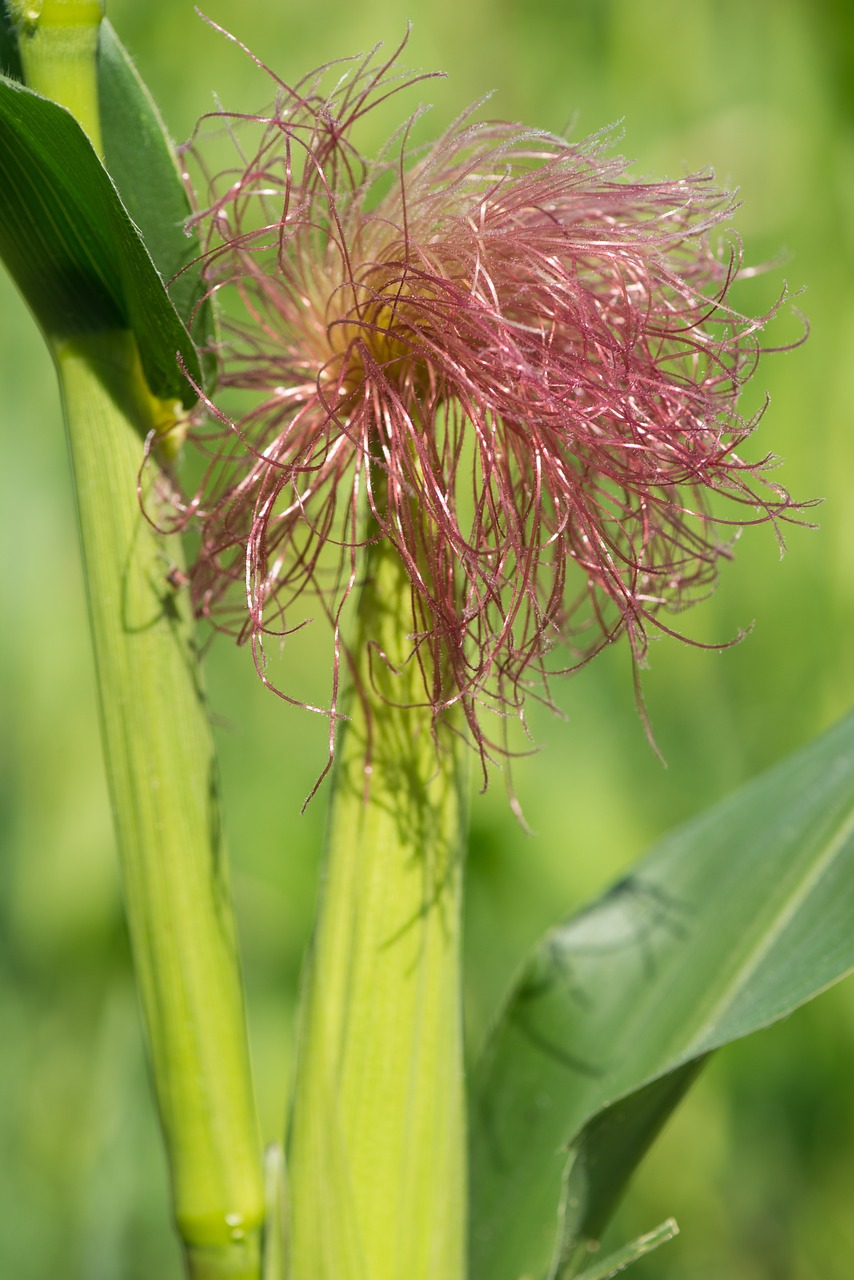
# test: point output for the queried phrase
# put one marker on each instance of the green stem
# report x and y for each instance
(162, 777)
(157, 744)
(377, 1148)
(275, 1259)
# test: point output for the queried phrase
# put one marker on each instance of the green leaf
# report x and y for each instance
(141, 161)
(730, 923)
(71, 247)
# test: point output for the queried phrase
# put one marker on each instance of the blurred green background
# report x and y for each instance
(759, 1165)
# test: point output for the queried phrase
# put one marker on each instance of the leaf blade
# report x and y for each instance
(71, 247)
(149, 182)
(727, 925)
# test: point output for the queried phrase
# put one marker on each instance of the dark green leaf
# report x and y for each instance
(727, 925)
(141, 161)
(70, 245)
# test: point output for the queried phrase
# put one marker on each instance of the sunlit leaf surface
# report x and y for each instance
(141, 162)
(70, 245)
(729, 924)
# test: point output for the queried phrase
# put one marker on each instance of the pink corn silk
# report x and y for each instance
(497, 352)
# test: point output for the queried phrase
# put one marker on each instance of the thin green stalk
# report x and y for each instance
(157, 743)
(162, 777)
(275, 1265)
(377, 1147)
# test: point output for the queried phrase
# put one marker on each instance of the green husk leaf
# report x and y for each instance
(71, 247)
(377, 1142)
(729, 924)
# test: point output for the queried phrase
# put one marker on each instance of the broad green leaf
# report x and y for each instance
(141, 162)
(729, 924)
(71, 247)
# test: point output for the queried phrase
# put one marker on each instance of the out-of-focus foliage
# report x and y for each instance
(759, 1164)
